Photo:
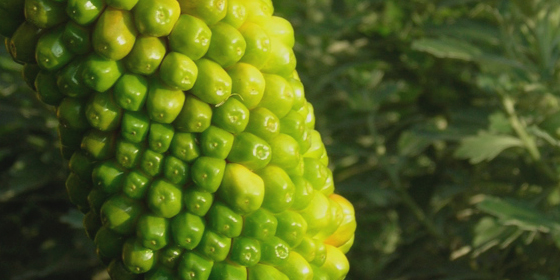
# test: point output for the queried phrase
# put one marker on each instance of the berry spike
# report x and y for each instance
(191, 145)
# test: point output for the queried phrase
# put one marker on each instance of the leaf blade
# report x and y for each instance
(485, 146)
(447, 48)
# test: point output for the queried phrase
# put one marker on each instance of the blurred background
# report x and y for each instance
(439, 117)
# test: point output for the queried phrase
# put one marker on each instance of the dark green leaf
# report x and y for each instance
(447, 48)
(27, 173)
(489, 233)
(517, 213)
(73, 218)
(412, 144)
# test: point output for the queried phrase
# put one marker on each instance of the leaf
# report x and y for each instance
(452, 3)
(412, 144)
(9, 65)
(468, 30)
(543, 134)
(485, 146)
(489, 233)
(537, 276)
(555, 234)
(27, 173)
(516, 213)
(499, 123)
(498, 64)
(73, 218)
(386, 90)
(447, 48)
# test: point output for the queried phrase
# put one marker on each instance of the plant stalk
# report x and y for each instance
(528, 141)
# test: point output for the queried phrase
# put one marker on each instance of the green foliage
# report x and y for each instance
(432, 111)
(440, 118)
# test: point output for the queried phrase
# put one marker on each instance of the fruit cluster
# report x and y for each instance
(190, 142)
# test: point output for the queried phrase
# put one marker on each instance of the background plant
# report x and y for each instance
(440, 118)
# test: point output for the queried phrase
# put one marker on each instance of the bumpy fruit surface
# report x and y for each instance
(191, 147)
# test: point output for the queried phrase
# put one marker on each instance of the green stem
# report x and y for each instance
(519, 128)
(526, 139)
